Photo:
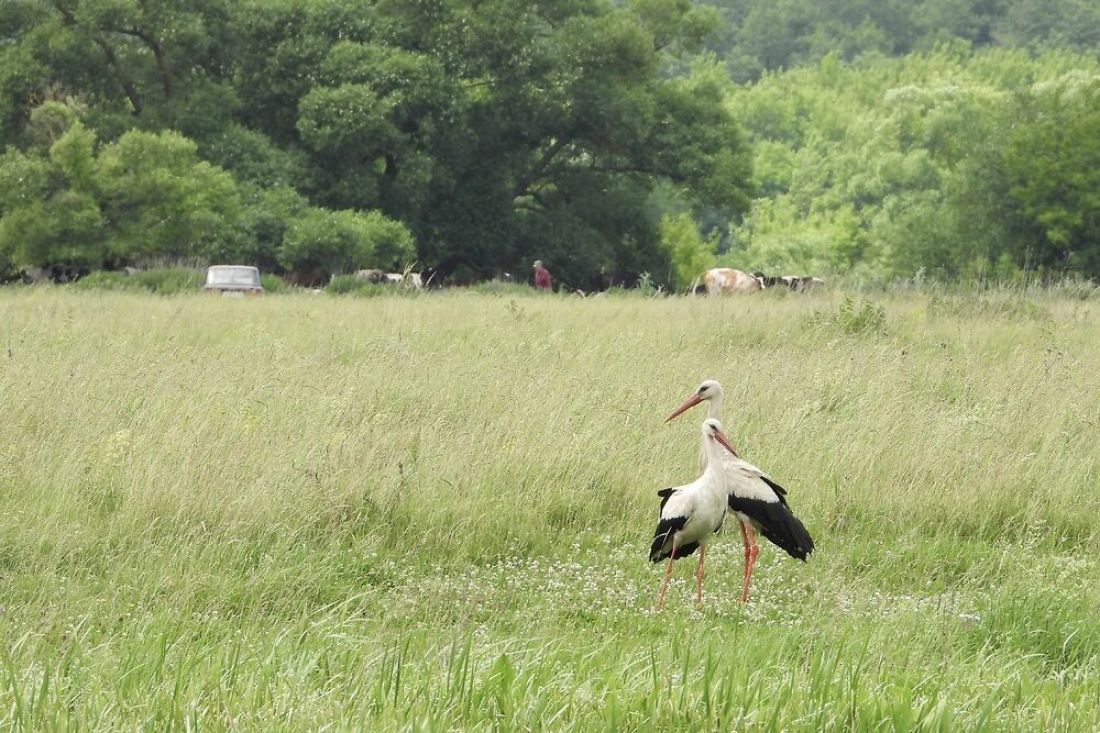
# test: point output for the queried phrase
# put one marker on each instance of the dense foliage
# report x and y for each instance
(946, 163)
(326, 135)
(947, 137)
(766, 35)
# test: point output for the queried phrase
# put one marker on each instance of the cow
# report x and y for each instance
(723, 280)
(54, 273)
(404, 279)
(371, 276)
(309, 278)
(432, 277)
(802, 282)
(791, 282)
(35, 274)
(769, 281)
(606, 279)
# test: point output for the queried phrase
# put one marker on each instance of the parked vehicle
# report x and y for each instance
(233, 280)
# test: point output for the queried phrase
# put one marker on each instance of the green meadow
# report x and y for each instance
(317, 512)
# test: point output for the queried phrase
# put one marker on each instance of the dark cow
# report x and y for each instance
(791, 282)
(307, 278)
(768, 281)
(54, 273)
(606, 279)
(432, 277)
(803, 282)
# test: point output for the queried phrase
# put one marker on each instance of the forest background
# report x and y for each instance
(944, 139)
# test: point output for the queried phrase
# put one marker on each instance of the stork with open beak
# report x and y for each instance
(758, 502)
(690, 514)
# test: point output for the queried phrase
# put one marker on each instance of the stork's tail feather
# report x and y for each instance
(777, 523)
(662, 538)
(790, 534)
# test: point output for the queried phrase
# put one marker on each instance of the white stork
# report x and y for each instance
(690, 514)
(753, 497)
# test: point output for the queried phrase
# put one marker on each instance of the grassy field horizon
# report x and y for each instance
(433, 513)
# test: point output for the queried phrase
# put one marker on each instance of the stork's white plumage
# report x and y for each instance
(753, 497)
(691, 513)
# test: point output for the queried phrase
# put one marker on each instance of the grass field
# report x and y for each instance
(433, 513)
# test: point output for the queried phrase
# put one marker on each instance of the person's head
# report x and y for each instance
(537, 265)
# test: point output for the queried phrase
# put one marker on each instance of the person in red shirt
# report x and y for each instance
(543, 280)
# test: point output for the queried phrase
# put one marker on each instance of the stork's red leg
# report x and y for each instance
(751, 551)
(699, 577)
(664, 584)
(745, 570)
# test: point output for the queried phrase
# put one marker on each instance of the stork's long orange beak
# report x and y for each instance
(721, 438)
(689, 403)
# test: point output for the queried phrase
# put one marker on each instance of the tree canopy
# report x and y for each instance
(493, 132)
(947, 163)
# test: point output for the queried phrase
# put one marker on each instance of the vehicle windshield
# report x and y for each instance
(232, 276)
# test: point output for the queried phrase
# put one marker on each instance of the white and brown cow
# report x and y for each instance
(724, 280)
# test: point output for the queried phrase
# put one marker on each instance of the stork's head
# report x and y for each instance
(708, 390)
(712, 430)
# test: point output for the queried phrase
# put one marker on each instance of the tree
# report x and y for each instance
(1052, 169)
(482, 125)
(956, 163)
(48, 210)
(1050, 23)
(162, 201)
(167, 59)
(266, 216)
(688, 252)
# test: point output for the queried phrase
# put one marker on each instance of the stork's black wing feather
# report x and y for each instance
(779, 490)
(665, 495)
(777, 523)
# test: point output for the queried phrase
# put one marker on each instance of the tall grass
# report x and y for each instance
(431, 513)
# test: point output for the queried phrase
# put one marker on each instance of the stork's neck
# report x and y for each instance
(714, 406)
(712, 456)
(713, 479)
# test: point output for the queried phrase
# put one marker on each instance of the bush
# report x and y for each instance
(867, 317)
(104, 280)
(170, 280)
(499, 287)
(273, 283)
(352, 285)
(163, 280)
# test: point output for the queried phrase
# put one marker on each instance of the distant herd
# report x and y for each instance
(726, 280)
(406, 279)
(716, 281)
